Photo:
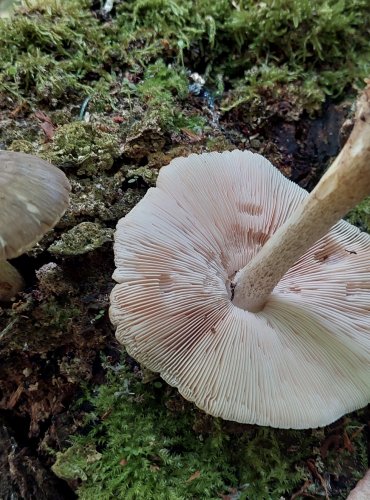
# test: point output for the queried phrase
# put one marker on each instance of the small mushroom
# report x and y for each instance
(33, 196)
(245, 292)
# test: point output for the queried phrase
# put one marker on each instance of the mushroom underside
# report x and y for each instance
(303, 361)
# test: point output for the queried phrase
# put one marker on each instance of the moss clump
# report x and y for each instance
(360, 216)
(145, 441)
(146, 451)
(23, 146)
(161, 86)
(57, 49)
(49, 49)
(84, 145)
(148, 175)
(83, 238)
(265, 87)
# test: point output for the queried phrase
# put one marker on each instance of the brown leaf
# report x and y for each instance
(347, 443)
(191, 135)
(194, 476)
(14, 398)
(46, 124)
(106, 414)
(118, 119)
(48, 129)
(18, 110)
(42, 116)
(123, 462)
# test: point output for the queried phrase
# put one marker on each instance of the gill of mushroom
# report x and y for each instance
(343, 186)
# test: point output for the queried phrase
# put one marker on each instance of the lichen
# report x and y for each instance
(83, 238)
(83, 145)
(100, 198)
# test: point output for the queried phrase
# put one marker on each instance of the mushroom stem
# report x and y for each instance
(11, 282)
(342, 187)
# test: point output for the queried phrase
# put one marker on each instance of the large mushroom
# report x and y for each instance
(33, 196)
(246, 293)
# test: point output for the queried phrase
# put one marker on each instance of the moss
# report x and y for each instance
(148, 175)
(52, 314)
(83, 238)
(145, 441)
(160, 88)
(23, 146)
(146, 450)
(265, 86)
(360, 216)
(37, 45)
(84, 145)
(55, 49)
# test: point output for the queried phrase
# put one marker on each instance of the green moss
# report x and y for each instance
(83, 238)
(147, 174)
(57, 315)
(161, 86)
(23, 146)
(84, 145)
(266, 85)
(37, 45)
(360, 216)
(56, 49)
(145, 441)
(146, 450)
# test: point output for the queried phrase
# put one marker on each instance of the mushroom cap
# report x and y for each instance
(11, 282)
(304, 360)
(33, 196)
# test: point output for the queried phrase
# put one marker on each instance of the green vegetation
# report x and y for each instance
(145, 441)
(57, 49)
(137, 448)
(360, 216)
(84, 145)
(130, 73)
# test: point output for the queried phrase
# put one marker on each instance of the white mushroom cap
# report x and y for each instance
(33, 196)
(304, 360)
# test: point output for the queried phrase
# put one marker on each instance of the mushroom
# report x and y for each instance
(33, 196)
(246, 293)
(362, 489)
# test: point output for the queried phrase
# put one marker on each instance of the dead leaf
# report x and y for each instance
(46, 124)
(118, 119)
(194, 476)
(347, 443)
(14, 398)
(106, 414)
(42, 116)
(48, 129)
(191, 135)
